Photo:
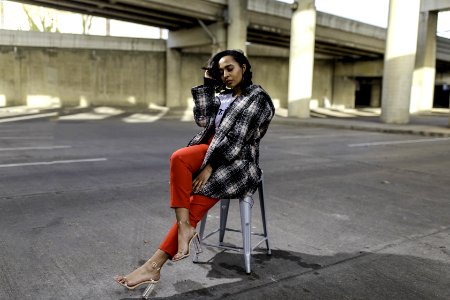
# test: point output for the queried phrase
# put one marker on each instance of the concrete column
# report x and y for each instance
(301, 60)
(237, 24)
(422, 91)
(375, 94)
(220, 35)
(173, 78)
(399, 59)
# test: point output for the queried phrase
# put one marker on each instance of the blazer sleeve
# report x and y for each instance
(203, 104)
(259, 112)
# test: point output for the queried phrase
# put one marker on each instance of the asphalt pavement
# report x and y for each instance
(357, 209)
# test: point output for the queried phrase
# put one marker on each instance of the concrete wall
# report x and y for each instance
(323, 83)
(72, 69)
(344, 82)
(272, 74)
(98, 77)
(191, 74)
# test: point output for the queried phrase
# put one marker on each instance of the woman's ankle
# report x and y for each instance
(152, 266)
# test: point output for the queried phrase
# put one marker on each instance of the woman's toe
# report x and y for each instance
(120, 279)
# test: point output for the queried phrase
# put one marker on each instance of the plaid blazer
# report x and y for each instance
(234, 150)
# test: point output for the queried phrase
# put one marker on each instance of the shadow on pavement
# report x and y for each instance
(293, 275)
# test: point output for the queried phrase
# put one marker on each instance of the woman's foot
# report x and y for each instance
(146, 274)
(185, 235)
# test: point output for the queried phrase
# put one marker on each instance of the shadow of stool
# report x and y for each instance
(245, 205)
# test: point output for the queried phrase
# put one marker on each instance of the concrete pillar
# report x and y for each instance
(173, 78)
(422, 91)
(375, 94)
(301, 60)
(399, 59)
(220, 35)
(237, 24)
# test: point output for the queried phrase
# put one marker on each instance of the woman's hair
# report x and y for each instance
(239, 56)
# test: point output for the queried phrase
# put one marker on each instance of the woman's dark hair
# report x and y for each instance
(239, 56)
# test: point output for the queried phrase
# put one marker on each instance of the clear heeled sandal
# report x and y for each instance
(151, 283)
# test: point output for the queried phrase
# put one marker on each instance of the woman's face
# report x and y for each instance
(230, 71)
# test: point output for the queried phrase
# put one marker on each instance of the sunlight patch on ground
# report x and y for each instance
(148, 118)
(17, 110)
(99, 113)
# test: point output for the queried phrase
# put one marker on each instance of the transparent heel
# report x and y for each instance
(197, 248)
(148, 290)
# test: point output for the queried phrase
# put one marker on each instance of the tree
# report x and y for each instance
(87, 23)
(45, 23)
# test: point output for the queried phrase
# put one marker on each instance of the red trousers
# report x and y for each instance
(183, 164)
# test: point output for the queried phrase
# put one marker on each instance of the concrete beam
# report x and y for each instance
(349, 39)
(75, 41)
(198, 36)
(434, 5)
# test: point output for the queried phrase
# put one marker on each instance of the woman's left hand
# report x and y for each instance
(201, 179)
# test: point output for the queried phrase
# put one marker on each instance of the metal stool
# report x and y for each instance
(245, 205)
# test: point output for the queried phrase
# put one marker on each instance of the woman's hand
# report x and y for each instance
(207, 74)
(201, 179)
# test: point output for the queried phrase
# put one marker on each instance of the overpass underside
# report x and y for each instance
(349, 53)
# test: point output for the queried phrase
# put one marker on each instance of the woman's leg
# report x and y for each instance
(189, 210)
(199, 206)
(183, 164)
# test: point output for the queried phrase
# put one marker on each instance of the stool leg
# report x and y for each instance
(224, 206)
(202, 226)
(263, 215)
(246, 221)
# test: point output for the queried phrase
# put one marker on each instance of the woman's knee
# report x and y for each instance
(176, 157)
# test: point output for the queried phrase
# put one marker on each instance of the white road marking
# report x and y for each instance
(398, 142)
(26, 137)
(293, 137)
(28, 117)
(53, 162)
(35, 148)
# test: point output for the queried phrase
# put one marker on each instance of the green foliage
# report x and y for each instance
(87, 23)
(44, 24)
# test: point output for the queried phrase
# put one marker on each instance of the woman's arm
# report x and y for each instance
(204, 101)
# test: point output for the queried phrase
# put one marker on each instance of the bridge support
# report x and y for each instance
(422, 92)
(237, 24)
(301, 61)
(399, 59)
(173, 77)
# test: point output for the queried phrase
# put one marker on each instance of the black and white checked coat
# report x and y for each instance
(234, 150)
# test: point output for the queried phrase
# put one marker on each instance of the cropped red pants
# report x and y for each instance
(183, 164)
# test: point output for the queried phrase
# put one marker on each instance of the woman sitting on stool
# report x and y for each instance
(221, 161)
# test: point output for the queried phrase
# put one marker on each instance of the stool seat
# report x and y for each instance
(245, 205)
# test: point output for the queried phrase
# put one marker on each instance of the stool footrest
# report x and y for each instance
(235, 248)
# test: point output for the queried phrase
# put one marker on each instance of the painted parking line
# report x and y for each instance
(37, 116)
(398, 142)
(54, 162)
(35, 148)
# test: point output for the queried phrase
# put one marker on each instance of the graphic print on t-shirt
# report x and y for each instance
(225, 101)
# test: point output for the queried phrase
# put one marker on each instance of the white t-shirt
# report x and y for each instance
(225, 101)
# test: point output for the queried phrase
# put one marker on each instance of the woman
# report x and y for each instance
(221, 161)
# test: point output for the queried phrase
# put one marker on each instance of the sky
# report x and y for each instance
(374, 12)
